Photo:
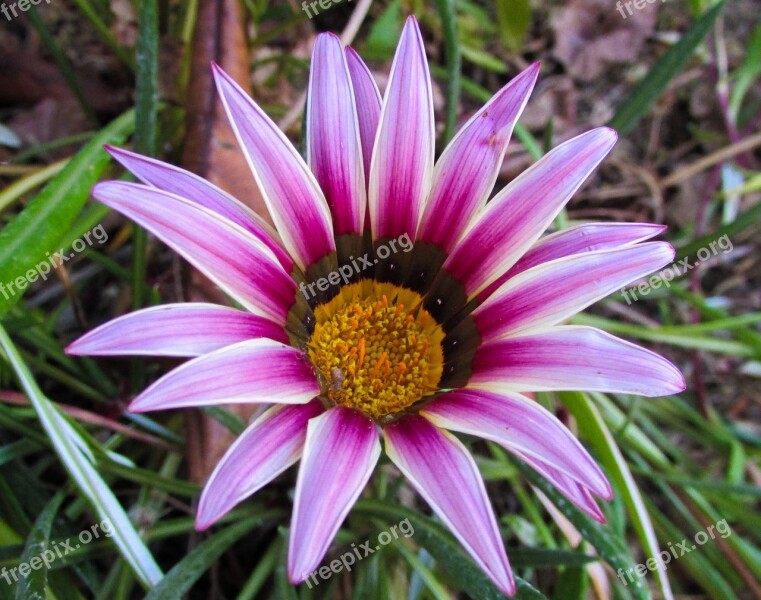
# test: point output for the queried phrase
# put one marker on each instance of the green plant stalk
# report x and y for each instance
(453, 56)
(69, 447)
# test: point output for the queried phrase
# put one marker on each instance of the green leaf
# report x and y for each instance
(453, 57)
(747, 74)
(35, 233)
(381, 41)
(69, 447)
(427, 577)
(91, 13)
(33, 586)
(449, 555)
(548, 558)
(514, 20)
(185, 573)
(483, 59)
(609, 547)
(652, 85)
(62, 61)
(671, 336)
(749, 218)
(594, 429)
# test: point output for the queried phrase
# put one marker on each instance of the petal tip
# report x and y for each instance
(75, 348)
(506, 585)
(138, 405)
(675, 384)
(327, 36)
(611, 133)
(202, 525)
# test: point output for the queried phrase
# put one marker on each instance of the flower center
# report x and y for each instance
(376, 348)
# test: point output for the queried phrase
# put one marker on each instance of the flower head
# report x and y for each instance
(352, 331)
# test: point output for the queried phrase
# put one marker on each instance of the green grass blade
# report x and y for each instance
(594, 429)
(26, 184)
(69, 446)
(185, 573)
(673, 62)
(453, 57)
(105, 32)
(672, 336)
(146, 126)
(36, 231)
(448, 553)
(33, 586)
(609, 547)
(64, 66)
(514, 21)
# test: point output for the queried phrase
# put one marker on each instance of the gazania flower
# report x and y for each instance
(392, 302)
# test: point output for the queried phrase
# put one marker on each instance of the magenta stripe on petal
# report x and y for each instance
(571, 489)
(402, 164)
(520, 425)
(340, 454)
(334, 150)
(445, 474)
(368, 102)
(187, 329)
(196, 189)
(260, 370)
(271, 444)
(552, 292)
(573, 358)
(467, 170)
(517, 216)
(293, 197)
(589, 237)
(227, 254)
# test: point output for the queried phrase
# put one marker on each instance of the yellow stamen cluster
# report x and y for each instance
(376, 349)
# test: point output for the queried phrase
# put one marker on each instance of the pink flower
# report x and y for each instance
(426, 340)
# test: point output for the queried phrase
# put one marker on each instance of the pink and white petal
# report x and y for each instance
(467, 170)
(227, 254)
(334, 150)
(516, 217)
(188, 329)
(196, 189)
(256, 371)
(271, 444)
(340, 453)
(402, 163)
(520, 425)
(552, 292)
(573, 358)
(571, 489)
(293, 197)
(444, 473)
(589, 237)
(368, 102)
